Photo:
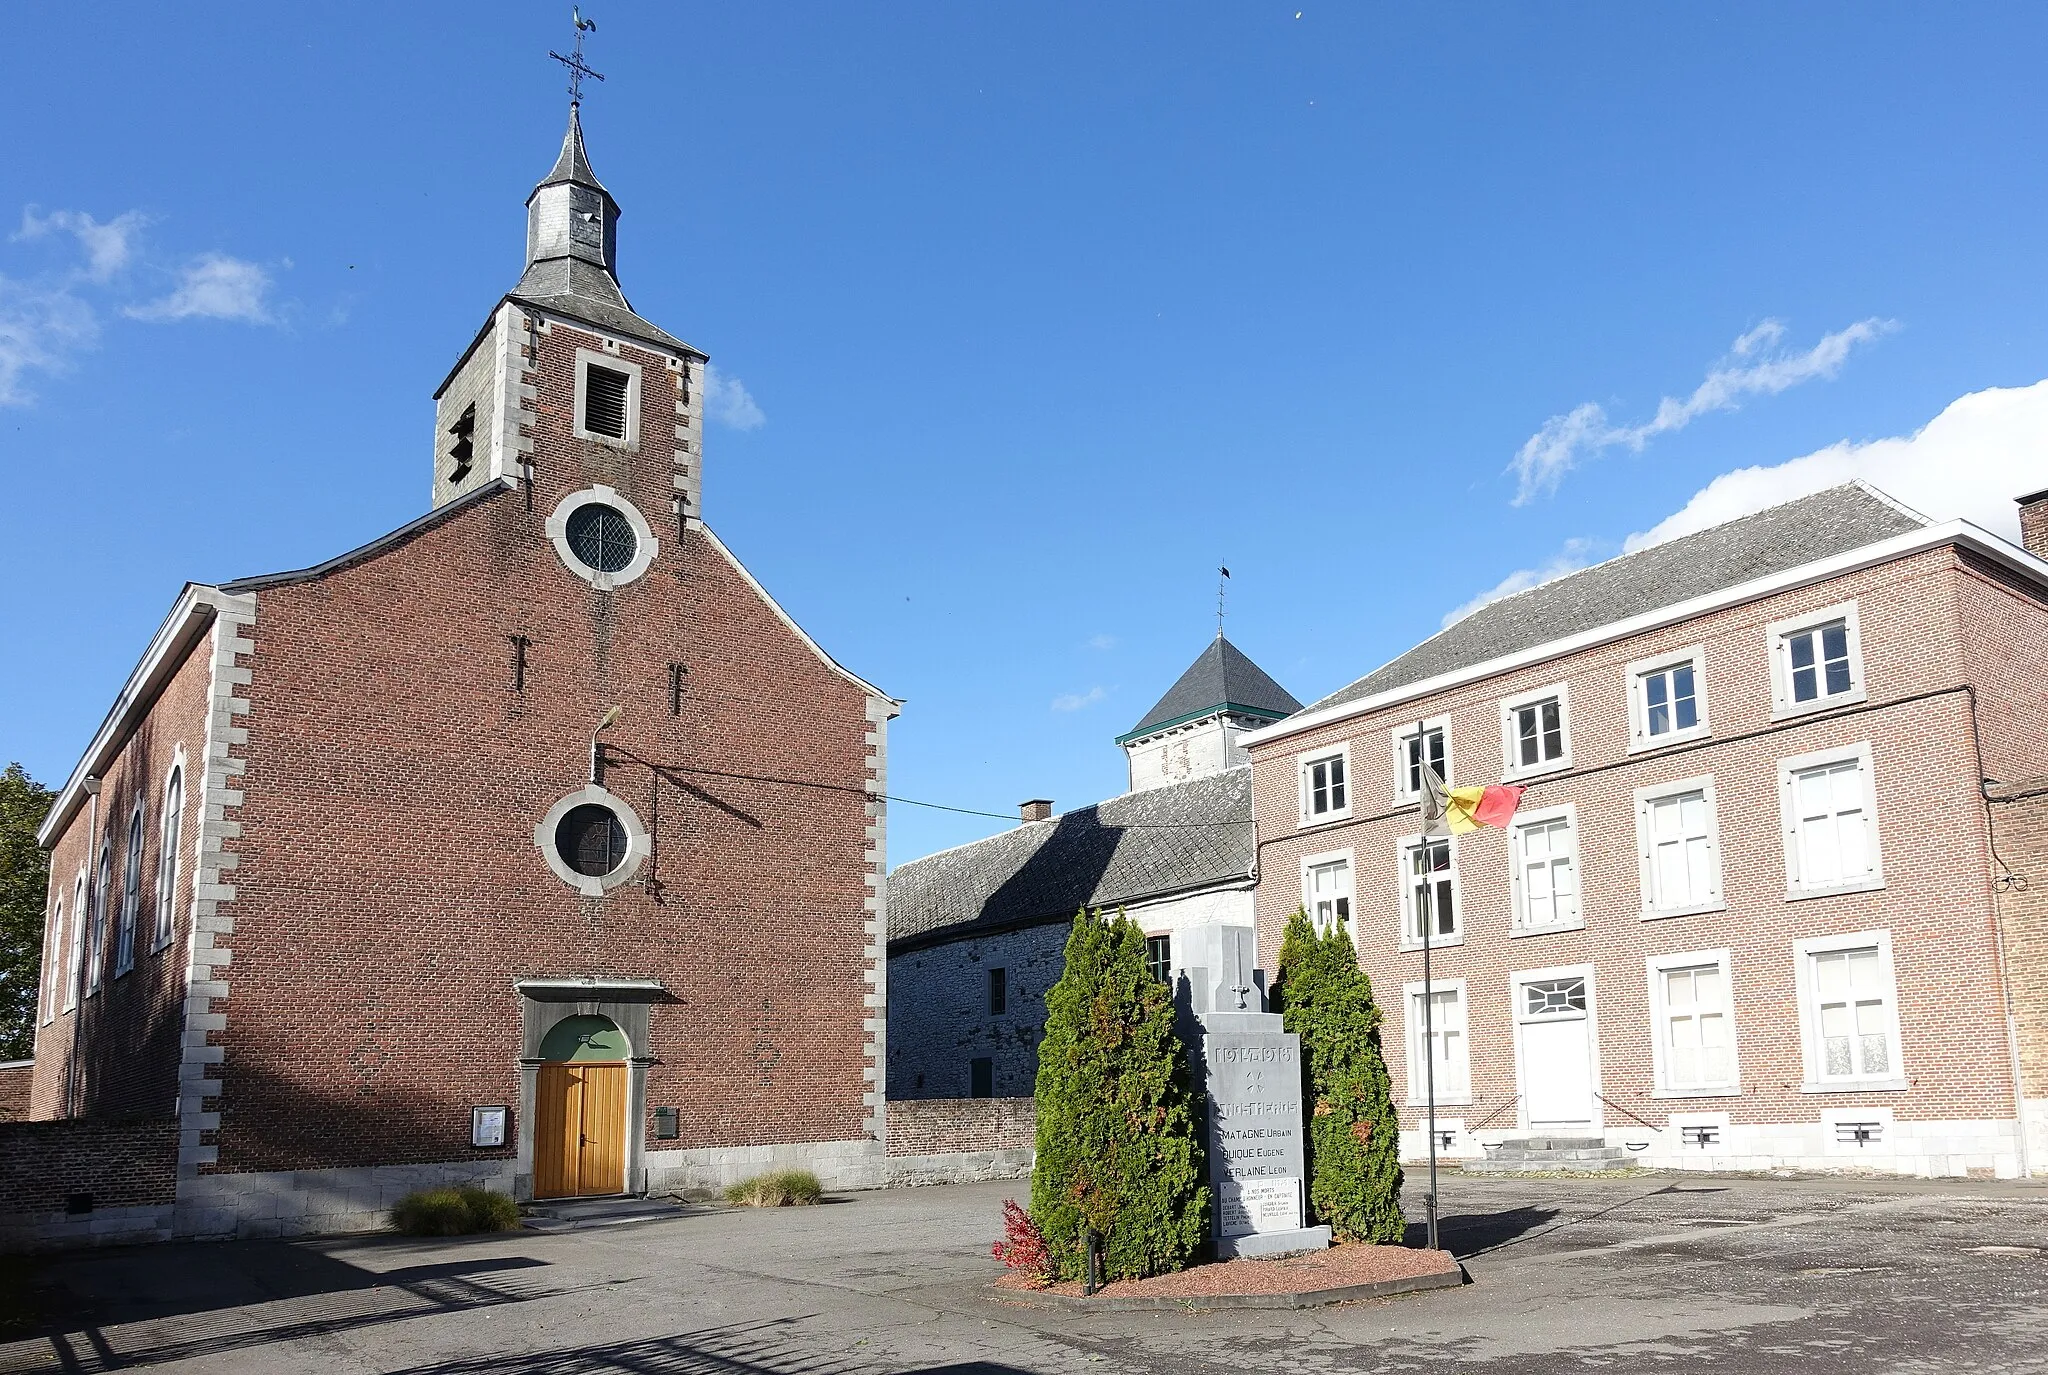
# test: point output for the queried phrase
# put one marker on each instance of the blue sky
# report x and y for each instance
(1041, 312)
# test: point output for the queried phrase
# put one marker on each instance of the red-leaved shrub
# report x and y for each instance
(1022, 1247)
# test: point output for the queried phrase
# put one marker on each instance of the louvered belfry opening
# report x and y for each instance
(604, 402)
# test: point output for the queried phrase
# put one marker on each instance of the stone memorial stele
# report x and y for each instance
(1249, 1067)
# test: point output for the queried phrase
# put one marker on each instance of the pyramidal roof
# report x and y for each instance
(1220, 677)
(573, 165)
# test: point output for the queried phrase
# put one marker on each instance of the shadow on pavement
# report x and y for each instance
(1467, 1234)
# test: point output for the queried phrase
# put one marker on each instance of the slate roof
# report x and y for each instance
(1184, 836)
(1773, 540)
(1220, 676)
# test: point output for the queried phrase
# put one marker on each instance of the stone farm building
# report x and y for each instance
(978, 933)
(1749, 913)
(361, 885)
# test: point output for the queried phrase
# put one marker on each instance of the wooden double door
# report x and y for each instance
(579, 1130)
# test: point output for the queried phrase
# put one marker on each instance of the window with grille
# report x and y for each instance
(1440, 1047)
(131, 895)
(1546, 872)
(1696, 1027)
(1830, 832)
(998, 991)
(601, 537)
(1431, 892)
(1159, 958)
(591, 840)
(1328, 898)
(1325, 793)
(1680, 852)
(1554, 997)
(604, 400)
(172, 824)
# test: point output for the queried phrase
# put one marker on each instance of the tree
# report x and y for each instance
(1119, 1150)
(1354, 1137)
(24, 887)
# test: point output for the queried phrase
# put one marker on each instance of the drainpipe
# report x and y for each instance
(2012, 1026)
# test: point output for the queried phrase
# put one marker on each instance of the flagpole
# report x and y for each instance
(1428, 1001)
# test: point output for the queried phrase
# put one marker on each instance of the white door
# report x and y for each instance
(1554, 1043)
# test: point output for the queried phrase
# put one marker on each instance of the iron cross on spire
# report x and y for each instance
(578, 68)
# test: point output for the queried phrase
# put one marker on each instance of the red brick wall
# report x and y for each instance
(1936, 902)
(2005, 635)
(2034, 528)
(128, 1034)
(943, 1126)
(2020, 812)
(16, 1081)
(389, 892)
(122, 1163)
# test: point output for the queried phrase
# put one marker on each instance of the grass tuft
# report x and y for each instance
(454, 1212)
(776, 1189)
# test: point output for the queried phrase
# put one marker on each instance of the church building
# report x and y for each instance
(531, 844)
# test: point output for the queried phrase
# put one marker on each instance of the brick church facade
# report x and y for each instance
(531, 844)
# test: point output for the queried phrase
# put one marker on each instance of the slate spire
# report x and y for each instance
(1222, 680)
(571, 218)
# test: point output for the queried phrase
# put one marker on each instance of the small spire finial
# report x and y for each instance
(578, 68)
(1222, 585)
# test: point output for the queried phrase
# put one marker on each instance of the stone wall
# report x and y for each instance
(86, 1182)
(954, 1140)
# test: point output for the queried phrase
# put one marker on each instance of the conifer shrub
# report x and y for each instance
(1119, 1150)
(1354, 1136)
(454, 1212)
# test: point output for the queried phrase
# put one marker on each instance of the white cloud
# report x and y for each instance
(41, 328)
(213, 286)
(1969, 462)
(1568, 560)
(1753, 366)
(1102, 642)
(727, 401)
(1074, 701)
(109, 247)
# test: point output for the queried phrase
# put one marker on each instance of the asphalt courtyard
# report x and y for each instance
(1651, 1272)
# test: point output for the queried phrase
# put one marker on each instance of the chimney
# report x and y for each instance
(1040, 808)
(2034, 523)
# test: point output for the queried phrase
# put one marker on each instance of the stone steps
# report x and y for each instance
(1563, 1154)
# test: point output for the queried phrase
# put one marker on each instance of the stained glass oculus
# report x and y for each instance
(591, 840)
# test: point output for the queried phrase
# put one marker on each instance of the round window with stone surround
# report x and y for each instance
(602, 538)
(592, 841)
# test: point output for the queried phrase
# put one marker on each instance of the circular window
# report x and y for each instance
(591, 839)
(601, 537)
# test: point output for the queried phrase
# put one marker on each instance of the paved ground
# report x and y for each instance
(1645, 1273)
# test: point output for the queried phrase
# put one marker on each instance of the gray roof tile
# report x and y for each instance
(1142, 844)
(1221, 675)
(1774, 540)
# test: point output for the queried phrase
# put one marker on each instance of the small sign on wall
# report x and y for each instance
(487, 1125)
(667, 1124)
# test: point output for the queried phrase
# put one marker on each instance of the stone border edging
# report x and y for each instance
(1304, 1298)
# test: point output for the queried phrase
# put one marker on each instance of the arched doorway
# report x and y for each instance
(579, 1121)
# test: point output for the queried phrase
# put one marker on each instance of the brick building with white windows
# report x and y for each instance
(531, 843)
(1748, 914)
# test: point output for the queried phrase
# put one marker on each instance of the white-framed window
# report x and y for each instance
(1849, 1012)
(1678, 847)
(607, 399)
(1430, 900)
(53, 963)
(131, 893)
(1816, 660)
(1692, 1024)
(1667, 699)
(1444, 1047)
(102, 886)
(1325, 785)
(1432, 742)
(1536, 732)
(1828, 800)
(1327, 889)
(601, 537)
(1543, 849)
(74, 974)
(170, 828)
